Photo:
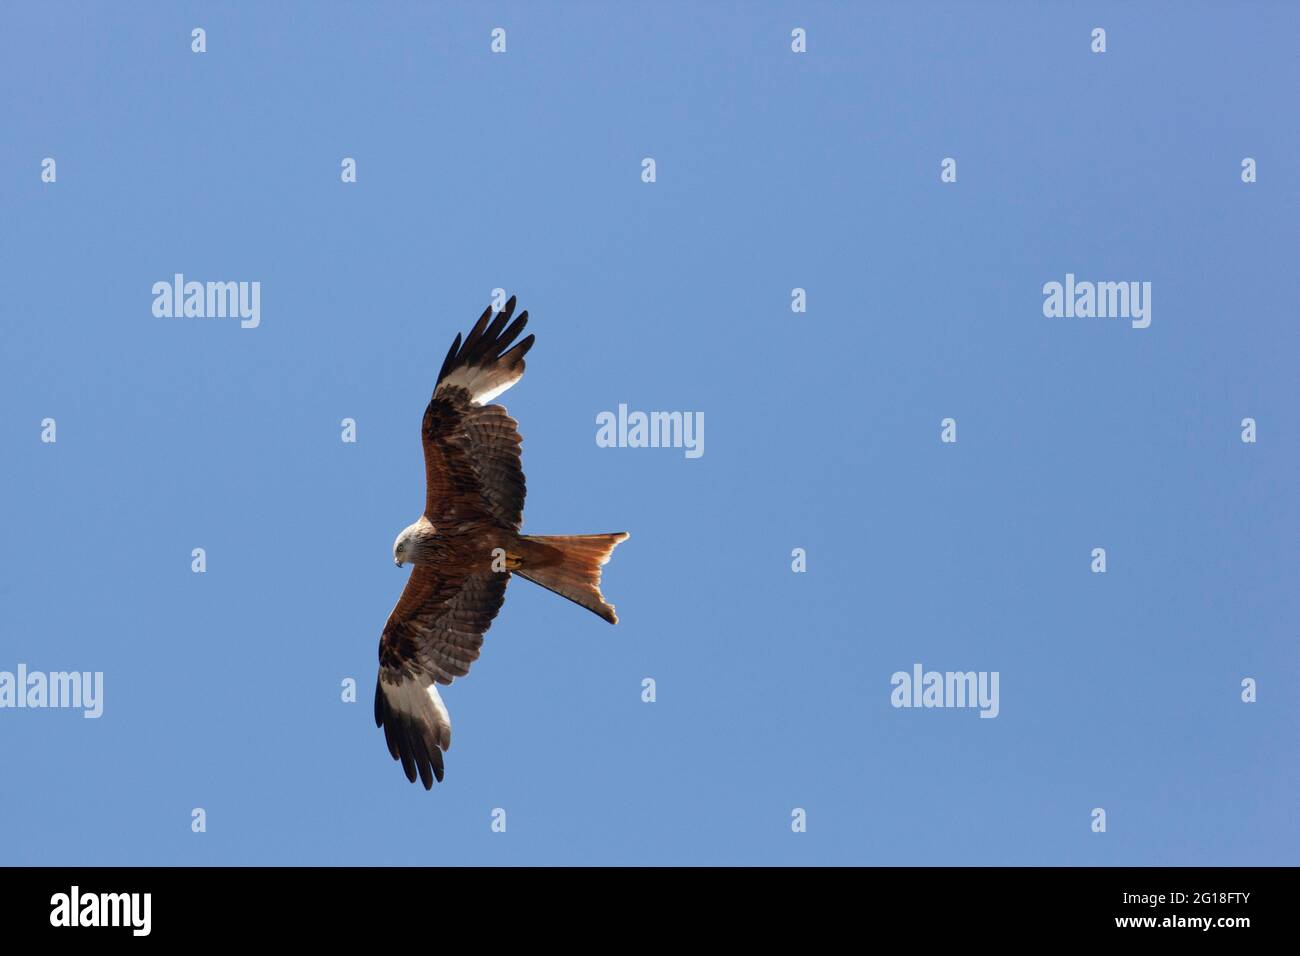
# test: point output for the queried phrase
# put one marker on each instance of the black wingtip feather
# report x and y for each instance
(517, 353)
(408, 761)
(512, 333)
(493, 333)
(487, 343)
(450, 361)
(421, 758)
(476, 332)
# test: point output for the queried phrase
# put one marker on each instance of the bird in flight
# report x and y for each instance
(467, 544)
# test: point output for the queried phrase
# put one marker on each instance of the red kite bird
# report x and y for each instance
(466, 545)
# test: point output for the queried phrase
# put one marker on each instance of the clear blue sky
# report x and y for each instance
(775, 171)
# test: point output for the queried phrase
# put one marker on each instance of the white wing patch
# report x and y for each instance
(445, 718)
(483, 384)
(405, 697)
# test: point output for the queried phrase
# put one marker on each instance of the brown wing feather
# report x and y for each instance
(471, 449)
(495, 445)
(433, 636)
(451, 485)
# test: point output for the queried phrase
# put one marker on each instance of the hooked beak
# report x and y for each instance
(396, 562)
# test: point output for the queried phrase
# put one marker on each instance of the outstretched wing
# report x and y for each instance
(432, 637)
(471, 449)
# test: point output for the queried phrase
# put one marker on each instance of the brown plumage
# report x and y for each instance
(466, 545)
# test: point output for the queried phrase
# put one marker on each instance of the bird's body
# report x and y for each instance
(460, 544)
(466, 545)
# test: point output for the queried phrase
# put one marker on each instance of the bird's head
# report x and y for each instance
(409, 544)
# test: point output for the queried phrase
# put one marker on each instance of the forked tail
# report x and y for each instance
(570, 566)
